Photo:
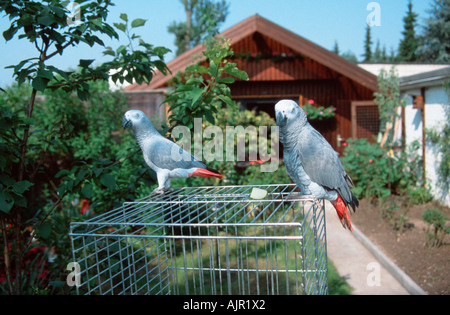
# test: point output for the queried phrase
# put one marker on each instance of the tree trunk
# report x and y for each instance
(187, 37)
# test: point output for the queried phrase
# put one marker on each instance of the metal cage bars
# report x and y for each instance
(205, 240)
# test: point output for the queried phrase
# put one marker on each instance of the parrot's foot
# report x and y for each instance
(306, 191)
(161, 191)
(157, 191)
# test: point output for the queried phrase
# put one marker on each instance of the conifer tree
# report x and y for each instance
(368, 46)
(435, 40)
(409, 43)
(336, 48)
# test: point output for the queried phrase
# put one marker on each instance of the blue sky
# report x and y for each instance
(321, 21)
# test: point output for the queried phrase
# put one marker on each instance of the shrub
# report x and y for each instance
(74, 150)
(378, 172)
(436, 230)
(368, 166)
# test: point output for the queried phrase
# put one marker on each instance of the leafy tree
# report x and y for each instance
(409, 43)
(49, 26)
(388, 99)
(201, 90)
(203, 19)
(350, 56)
(435, 39)
(76, 153)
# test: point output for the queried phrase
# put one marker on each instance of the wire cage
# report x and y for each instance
(205, 240)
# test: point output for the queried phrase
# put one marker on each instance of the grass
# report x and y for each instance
(337, 284)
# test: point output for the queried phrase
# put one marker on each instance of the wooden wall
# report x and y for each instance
(293, 76)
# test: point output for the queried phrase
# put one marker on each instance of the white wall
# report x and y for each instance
(435, 100)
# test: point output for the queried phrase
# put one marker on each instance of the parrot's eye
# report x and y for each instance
(136, 115)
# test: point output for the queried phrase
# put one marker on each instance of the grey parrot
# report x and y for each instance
(312, 163)
(163, 156)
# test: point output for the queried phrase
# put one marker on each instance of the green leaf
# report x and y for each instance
(6, 180)
(227, 100)
(237, 73)
(124, 17)
(209, 117)
(212, 69)
(9, 33)
(40, 83)
(138, 23)
(109, 52)
(86, 191)
(109, 181)
(6, 201)
(46, 20)
(58, 10)
(226, 80)
(21, 187)
(120, 26)
(47, 74)
(121, 49)
(61, 190)
(84, 63)
(44, 230)
(62, 173)
(195, 95)
(97, 171)
(184, 88)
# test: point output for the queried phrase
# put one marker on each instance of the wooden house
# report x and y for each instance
(283, 65)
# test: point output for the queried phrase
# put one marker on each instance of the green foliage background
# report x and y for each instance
(77, 149)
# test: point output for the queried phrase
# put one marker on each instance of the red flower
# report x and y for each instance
(256, 162)
(311, 102)
(84, 207)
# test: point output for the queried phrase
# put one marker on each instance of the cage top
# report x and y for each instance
(210, 198)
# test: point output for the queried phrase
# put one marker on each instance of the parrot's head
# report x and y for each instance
(288, 111)
(134, 118)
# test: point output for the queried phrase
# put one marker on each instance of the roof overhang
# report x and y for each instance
(425, 79)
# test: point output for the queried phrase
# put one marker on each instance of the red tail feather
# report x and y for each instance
(342, 212)
(201, 172)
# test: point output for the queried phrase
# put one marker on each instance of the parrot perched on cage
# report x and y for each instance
(312, 163)
(163, 156)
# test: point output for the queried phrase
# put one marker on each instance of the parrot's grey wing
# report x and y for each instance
(168, 155)
(323, 166)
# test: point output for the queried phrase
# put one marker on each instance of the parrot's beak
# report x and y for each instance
(281, 119)
(126, 123)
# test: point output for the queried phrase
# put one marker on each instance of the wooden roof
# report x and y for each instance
(295, 42)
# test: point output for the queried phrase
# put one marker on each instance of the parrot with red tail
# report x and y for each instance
(163, 156)
(312, 163)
